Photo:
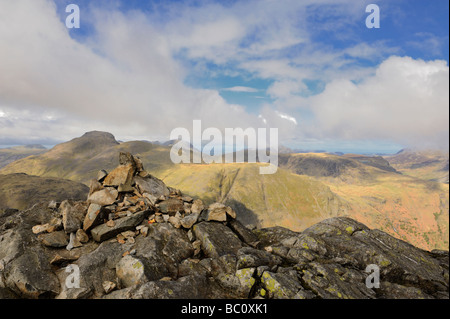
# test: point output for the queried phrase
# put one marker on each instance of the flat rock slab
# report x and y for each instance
(56, 239)
(151, 185)
(217, 240)
(189, 220)
(171, 206)
(94, 217)
(104, 232)
(104, 197)
(245, 234)
(72, 215)
(123, 174)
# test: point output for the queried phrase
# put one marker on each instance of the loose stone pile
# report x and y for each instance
(122, 204)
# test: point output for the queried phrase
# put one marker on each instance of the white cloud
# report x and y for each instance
(123, 78)
(262, 119)
(127, 77)
(285, 89)
(405, 101)
(287, 117)
(241, 89)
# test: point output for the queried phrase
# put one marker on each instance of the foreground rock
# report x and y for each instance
(153, 242)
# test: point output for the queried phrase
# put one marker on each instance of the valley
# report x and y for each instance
(306, 189)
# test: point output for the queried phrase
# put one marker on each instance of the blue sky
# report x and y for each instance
(311, 68)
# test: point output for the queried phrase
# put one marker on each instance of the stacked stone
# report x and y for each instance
(122, 204)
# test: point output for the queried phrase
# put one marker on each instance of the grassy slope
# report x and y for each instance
(405, 207)
(9, 155)
(427, 165)
(21, 191)
(282, 199)
(82, 164)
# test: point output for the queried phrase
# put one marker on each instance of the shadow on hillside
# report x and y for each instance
(244, 215)
(2, 201)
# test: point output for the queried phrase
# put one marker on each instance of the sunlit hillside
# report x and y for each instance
(307, 188)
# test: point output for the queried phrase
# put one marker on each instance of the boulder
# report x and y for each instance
(216, 239)
(131, 271)
(104, 197)
(81, 236)
(197, 206)
(126, 158)
(56, 239)
(94, 217)
(188, 287)
(104, 232)
(101, 175)
(251, 257)
(189, 220)
(283, 286)
(217, 212)
(244, 234)
(151, 185)
(94, 186)
(175, 221)
(123, 174)
(171, 206)
(30, 275)
(72, 215)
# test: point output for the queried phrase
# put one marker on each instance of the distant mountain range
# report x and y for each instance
(429, 165)
(307, 188)
(11, 154)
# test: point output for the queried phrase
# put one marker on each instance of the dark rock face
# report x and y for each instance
(131, 249)
(217, 240)
(328, 260)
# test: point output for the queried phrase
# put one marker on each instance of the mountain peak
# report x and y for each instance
(100, 134)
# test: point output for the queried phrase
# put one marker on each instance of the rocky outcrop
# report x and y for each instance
(146, 240)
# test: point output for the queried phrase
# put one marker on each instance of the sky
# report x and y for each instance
(311, 68)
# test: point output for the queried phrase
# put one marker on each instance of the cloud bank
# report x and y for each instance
(128, 75)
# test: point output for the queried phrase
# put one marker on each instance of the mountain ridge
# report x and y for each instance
(306, 189)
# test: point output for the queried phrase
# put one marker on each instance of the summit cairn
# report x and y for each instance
(130, 197)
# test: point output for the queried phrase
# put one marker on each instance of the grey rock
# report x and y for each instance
(101, 175)
(95, 267)
(250, 257)
(104, 197)
(187, 287)
(122, 174)
(94, 186)
(197, 206)
(132, 271)
(189, 220)
(216, 239)
(171, 206)
(94, 216)
(280, 286)
(152, 186)
(30, 275)
(174, 221)
(72, 215)
(56, 239)
(104, 232)
(244, 234)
